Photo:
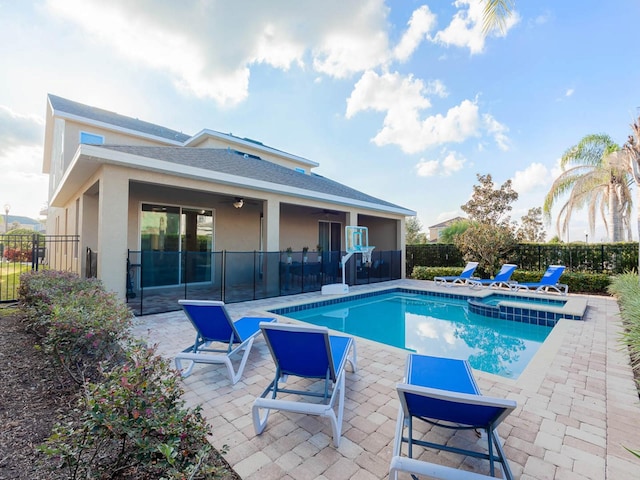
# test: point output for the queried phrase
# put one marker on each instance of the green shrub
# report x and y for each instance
(86, 329)
(80, 324)
(626, 289)
(427, 273)
(579, 282)
(39, 291)
(130, 421)
(134, 420)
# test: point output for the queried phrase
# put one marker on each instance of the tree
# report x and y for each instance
(413, 232)
(532, 227)
(489, 245)
(593, 178)
(488, 205)
(489, 237)
(632, 150)
(450, 233)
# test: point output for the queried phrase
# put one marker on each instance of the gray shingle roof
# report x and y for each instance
(60, 104)
(235, 163)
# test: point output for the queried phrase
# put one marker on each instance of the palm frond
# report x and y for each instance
(495, 15)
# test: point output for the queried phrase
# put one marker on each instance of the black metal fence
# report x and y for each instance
(609, 258)
(157, 280)
(22, 253)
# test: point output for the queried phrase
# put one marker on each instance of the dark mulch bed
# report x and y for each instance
(32, 398)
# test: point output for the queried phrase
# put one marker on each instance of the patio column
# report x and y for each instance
(271, 235)
(113, 215)
(400, 242)
(351, 218)
(272, 225)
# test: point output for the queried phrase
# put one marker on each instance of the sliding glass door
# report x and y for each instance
(176, 245)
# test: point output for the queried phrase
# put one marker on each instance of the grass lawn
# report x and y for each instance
(10, 279)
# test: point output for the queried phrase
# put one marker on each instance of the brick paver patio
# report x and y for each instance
(577, 408)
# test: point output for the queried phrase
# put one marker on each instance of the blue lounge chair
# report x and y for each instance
(502, 278)
(464, 277)
(213, 325)
(307, 352)
(549, 281)
(443, 392)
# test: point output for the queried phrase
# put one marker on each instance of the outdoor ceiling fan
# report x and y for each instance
(326, 213)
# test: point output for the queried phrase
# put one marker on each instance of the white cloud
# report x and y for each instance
(569, 92)
(451, 163)
(17, 129)
(21, 184)
(427, 168)
(421, 23)
(208, 49)
(498, 130)
(436, 87)
(389, 92)
(557, 170)
(535, 175)
(466, 27)
(402, 98)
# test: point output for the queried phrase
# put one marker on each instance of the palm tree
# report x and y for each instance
(596, 180)
(632, 151)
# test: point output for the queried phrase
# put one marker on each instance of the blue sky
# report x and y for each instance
(404, 100)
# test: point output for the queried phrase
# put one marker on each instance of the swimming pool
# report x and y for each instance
(441, 326)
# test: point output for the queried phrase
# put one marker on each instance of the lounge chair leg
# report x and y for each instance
(187, 371)
(353, 360)
(336, 423)
(234, 376)
(259, 422)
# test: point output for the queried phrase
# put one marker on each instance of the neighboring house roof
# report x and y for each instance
(76, 109)
(231, 162)
(446, 223)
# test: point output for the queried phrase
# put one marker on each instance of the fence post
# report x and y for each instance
(34, 252)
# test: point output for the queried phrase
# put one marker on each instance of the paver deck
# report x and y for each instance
(577, 408)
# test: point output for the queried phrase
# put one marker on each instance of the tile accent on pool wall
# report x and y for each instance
(333, 301)
(515, 314)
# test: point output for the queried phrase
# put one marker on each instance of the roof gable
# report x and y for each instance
(75, 109)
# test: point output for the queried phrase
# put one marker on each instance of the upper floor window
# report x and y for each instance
(91, 138)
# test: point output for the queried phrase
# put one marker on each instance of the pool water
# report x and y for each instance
(442, 327)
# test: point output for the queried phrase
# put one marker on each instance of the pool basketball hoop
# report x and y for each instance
(357, 239)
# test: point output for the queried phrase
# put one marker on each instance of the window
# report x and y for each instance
(91, 138)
